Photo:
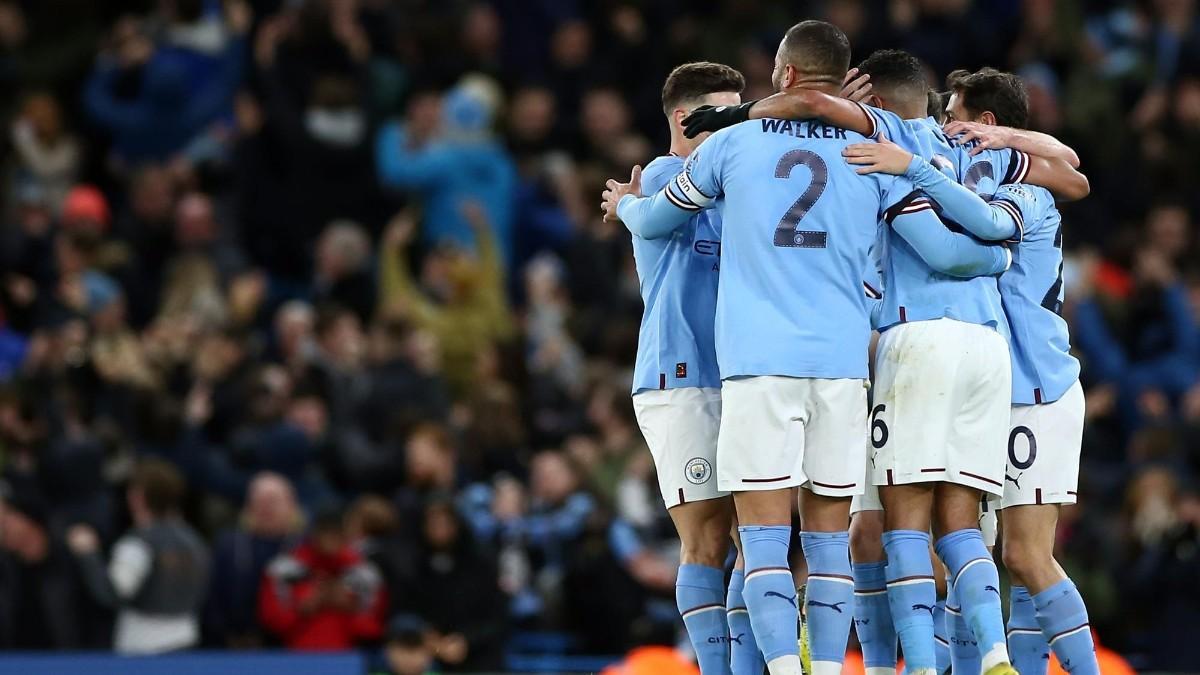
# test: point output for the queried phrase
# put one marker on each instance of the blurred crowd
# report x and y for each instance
(312, 336)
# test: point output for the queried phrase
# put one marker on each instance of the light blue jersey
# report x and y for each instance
(914, 291)
(797, 224)
(1032, 290)
(1043, 368)
(678, 276)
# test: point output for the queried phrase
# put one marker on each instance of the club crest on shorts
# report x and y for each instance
(697, 470)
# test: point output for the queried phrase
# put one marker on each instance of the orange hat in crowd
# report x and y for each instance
(85, 206)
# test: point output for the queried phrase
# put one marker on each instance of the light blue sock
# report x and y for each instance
(1064, 621)
(700, 596)
(941, 642)
(911, 594)
(1026, 644)
(770, 592)
(964, 651)
(829, 597)
(744, 657)
(977, 589)
(873, 617)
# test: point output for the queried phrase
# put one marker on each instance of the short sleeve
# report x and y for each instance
(890, 125)
(699, 184)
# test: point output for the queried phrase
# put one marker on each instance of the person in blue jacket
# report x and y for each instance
(464, 163)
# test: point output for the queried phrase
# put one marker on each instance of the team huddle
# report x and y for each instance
(772, 244)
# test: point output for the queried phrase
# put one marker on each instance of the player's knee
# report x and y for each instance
(866, 537)
(1023, 558)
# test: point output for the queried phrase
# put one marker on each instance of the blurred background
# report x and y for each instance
(329, 277)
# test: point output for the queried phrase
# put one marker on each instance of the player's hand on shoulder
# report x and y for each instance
(882, 156)
(983, 136)
(615, 191)
(856, 87)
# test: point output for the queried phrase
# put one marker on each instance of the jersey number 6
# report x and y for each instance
(786, 234)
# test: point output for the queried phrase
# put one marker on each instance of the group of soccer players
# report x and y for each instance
(769, 252)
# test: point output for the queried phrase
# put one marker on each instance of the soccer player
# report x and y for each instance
(676, 388)
(899, 86)
(792, 332)
(1047, 400)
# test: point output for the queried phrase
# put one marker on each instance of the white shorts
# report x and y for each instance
(942, 393)
(1043, 451)
(782, 432)
(680, 427)
(869, 499)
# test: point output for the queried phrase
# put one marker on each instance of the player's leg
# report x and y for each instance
(765, 529)
(759, 459)
(1029, 648)
(744, 655)
(973, 573)
(680, 427)
(964, 648)
(703, 529)
(829, 598)
(910, 425)
(975, 464)
(872, 616)
(941, 638)
(1043, 470)
(911, 588)
(835, 466)
(1057, 607)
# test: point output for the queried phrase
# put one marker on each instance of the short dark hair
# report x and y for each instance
(992, 90)
(694, 80)
(161, 485)
(896, 72)
(935, 104)
(817, 49)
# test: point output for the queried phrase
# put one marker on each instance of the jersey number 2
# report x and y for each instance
(786, 234)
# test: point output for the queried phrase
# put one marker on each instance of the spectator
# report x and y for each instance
(158, 572)
(171, 108)
(468, 622)
(270, 522)
(48, 157)
(468, 310)
(343, 274)
(46, 606)
(408, 649)
(430, 468)
(323, 595)
(462, 164)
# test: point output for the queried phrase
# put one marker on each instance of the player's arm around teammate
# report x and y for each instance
(1047, 413)
(677, 397)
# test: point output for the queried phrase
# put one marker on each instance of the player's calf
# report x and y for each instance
(976, 585)
(770, 593)
(872, 616)
(829, 602)
(700, 587)
(1057, 607)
